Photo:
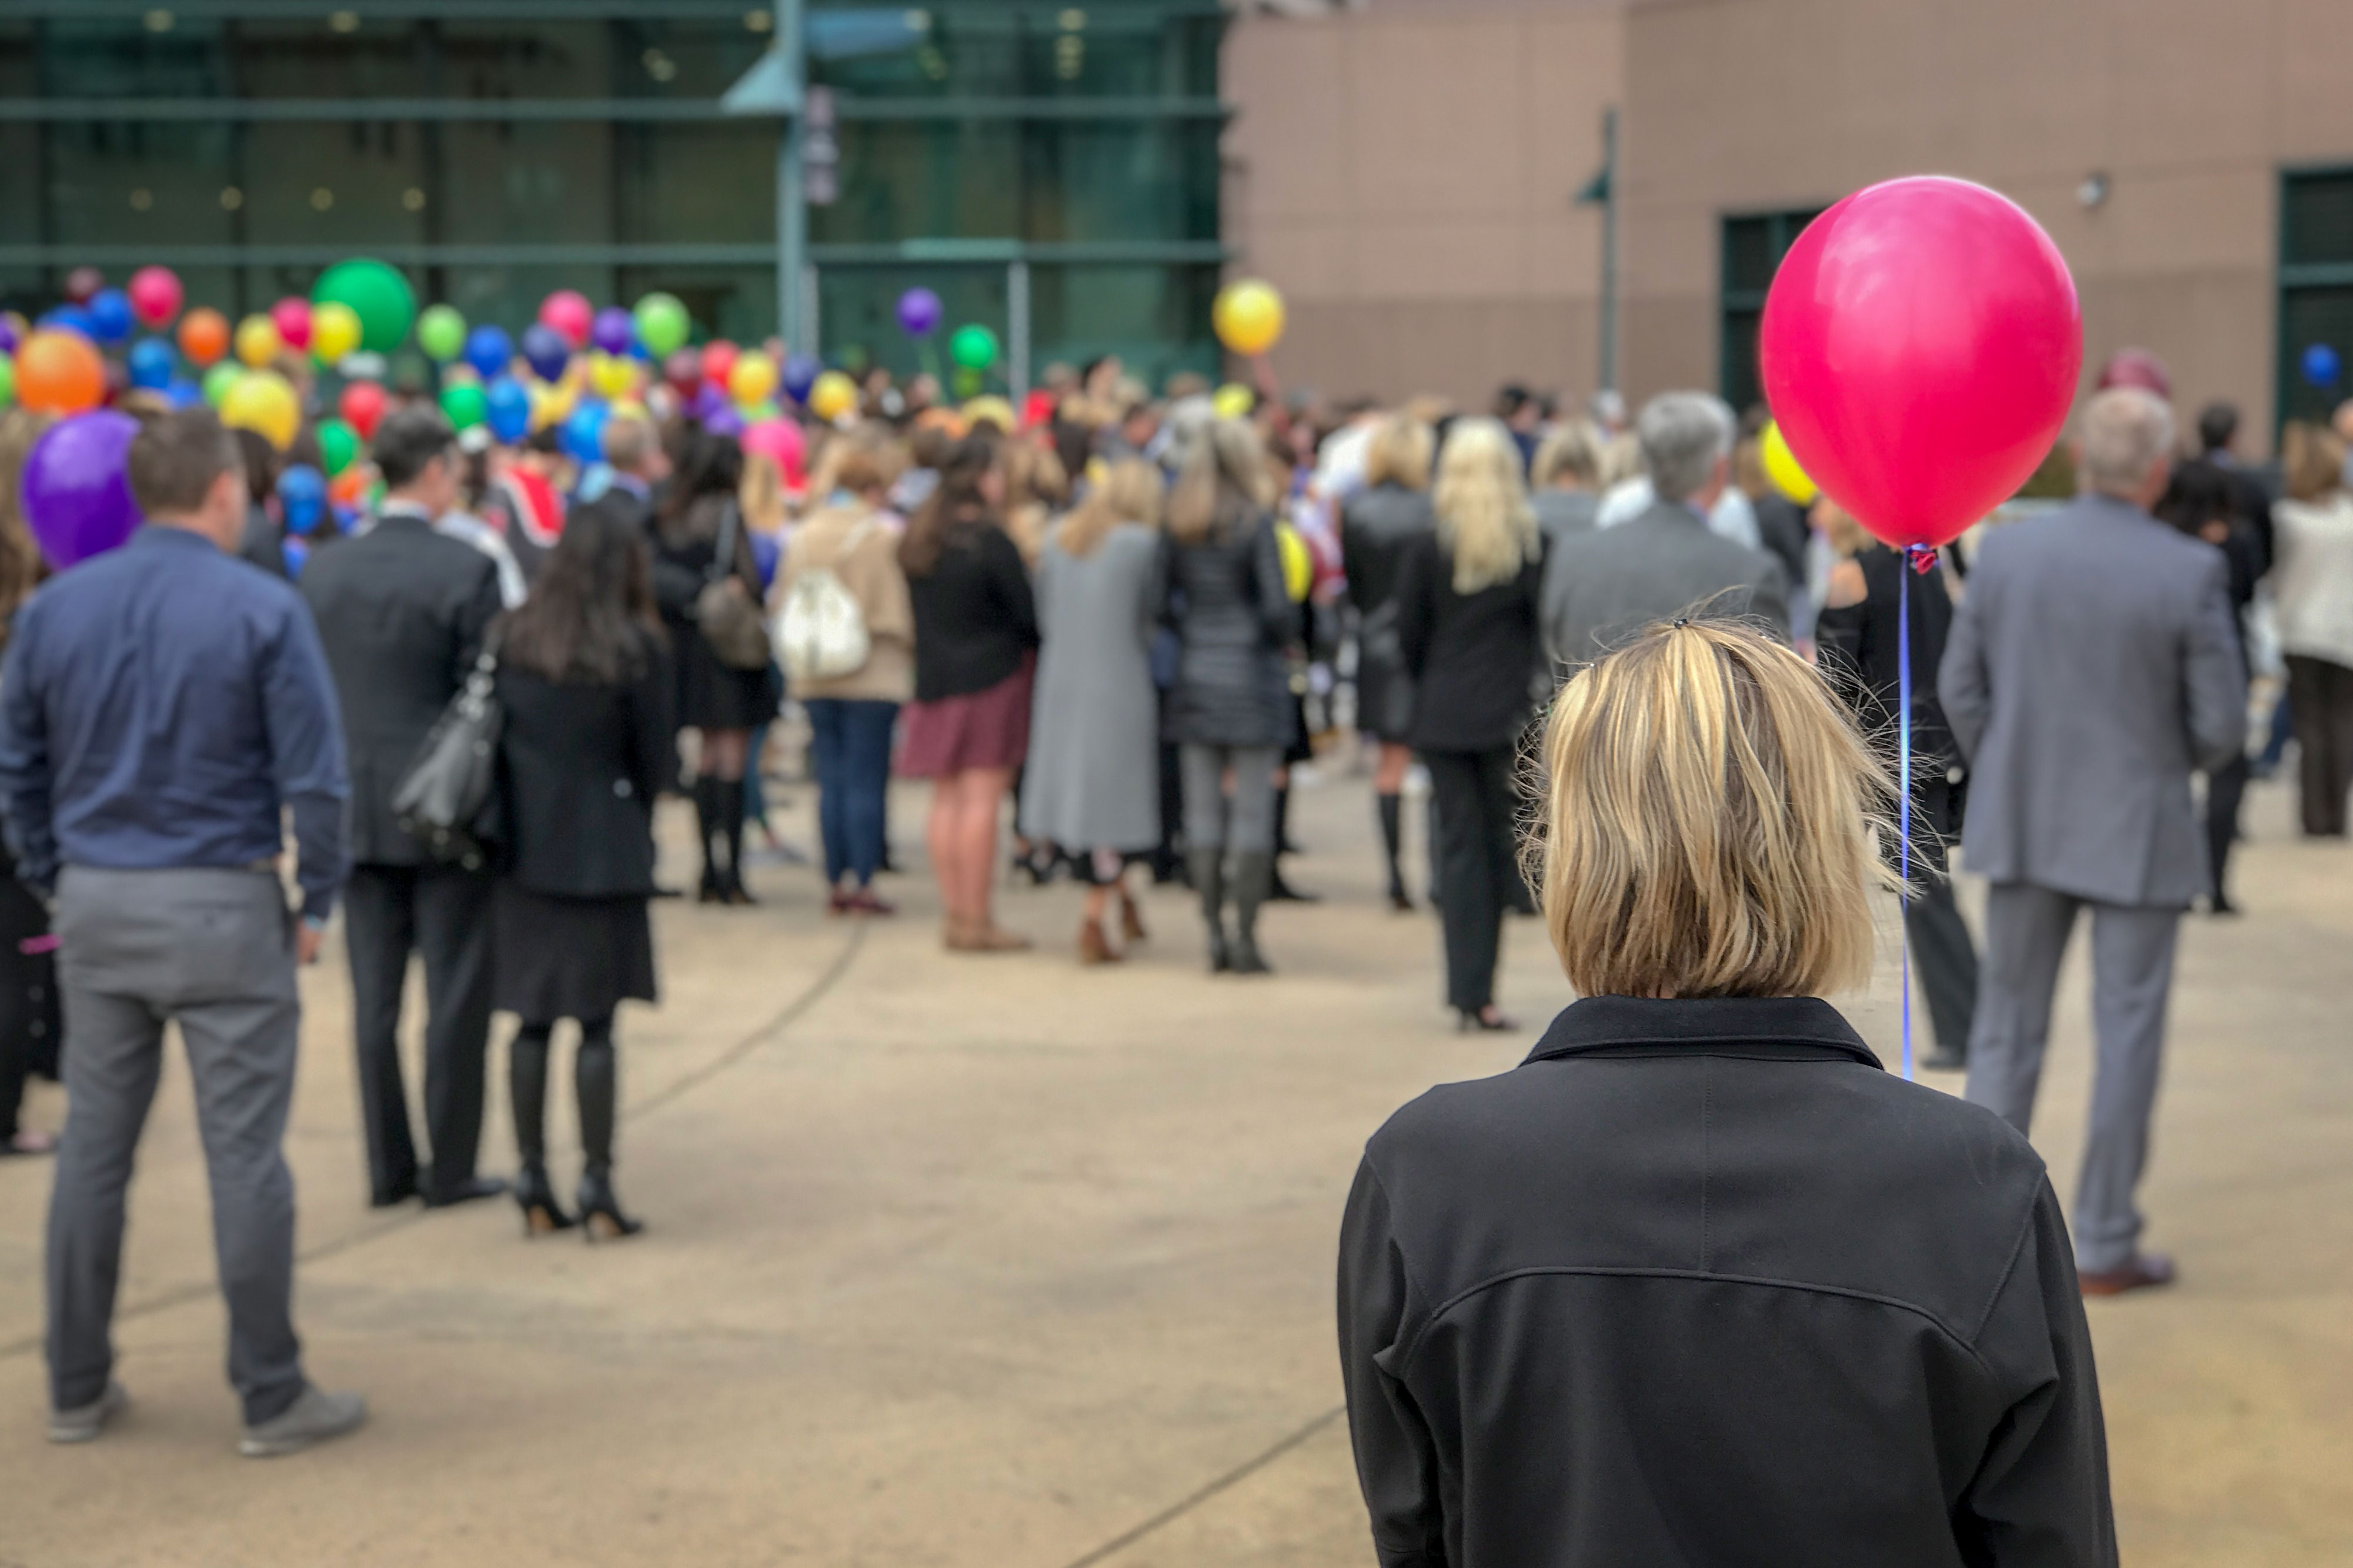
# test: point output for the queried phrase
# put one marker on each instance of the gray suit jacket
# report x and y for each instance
(2091, 669)
(1603, 588)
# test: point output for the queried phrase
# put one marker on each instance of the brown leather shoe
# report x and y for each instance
(1131, 918)
(2146, 1269)
(1093, 946)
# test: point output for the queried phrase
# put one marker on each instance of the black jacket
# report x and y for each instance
(264, 542)
(401, 611)
(1475, 658)
(1377, 528)
(1234, 623)
(1699, 1284)
(975, 617)
(580, 765)
(1858, 645)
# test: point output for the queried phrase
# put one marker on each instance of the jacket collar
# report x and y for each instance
(1801, 1028)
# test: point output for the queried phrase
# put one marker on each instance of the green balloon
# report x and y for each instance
(441, 333)
(377, 294)
(7, 380)
(973, 347)
(223, 375)
(339, 446)
(662, 325)
(465, 404)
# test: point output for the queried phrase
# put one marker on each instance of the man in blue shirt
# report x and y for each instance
(161, 707)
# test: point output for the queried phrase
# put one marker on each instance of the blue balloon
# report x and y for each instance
(152, 363)
(297, 554)
(766, 554)
(584, 432)
(545, 351)
(2321, 364)
(801, 372)
(490, 350)
(70, 319)
(302, 493)
(183, 392)
(507, 408)
(110, 315)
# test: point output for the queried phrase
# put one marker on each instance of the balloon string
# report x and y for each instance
(1921, 559)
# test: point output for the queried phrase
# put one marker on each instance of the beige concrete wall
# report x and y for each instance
(2189, 107)
(1405, 174)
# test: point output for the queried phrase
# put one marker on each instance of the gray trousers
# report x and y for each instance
(1249, 830)
(2027, 930)
(213, 952)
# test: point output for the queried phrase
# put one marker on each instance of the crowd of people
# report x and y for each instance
(1131, 617)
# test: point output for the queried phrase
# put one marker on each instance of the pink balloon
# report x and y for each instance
(776, 440)
(292, 319)
(1920, 349)
(568, 311)
(155, 294)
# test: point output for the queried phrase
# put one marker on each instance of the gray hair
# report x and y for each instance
(1683, 433)
(2126, 433)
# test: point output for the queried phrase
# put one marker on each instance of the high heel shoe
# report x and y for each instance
(1468, 1020)
(600, 1210)
(535, 1195)
(1131, 918)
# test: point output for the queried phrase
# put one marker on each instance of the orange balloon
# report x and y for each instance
(349, 487)
(204, 335)
(59, 372)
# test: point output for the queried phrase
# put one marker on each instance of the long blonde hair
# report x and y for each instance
(1223, 479)
(1397, 453)
(1484, 517)
(1710, 822)
(1129, 492)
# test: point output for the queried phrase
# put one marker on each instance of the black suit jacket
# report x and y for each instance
(580, 763)
(401, 610)
(1475, 658)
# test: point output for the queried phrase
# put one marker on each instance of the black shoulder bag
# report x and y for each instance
(444, 799)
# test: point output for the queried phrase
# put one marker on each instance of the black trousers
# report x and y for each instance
(2320, 693)
(444, 915)
(2226, 786)
(1475, 800)
(1942, 950)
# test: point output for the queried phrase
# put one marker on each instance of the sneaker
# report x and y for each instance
(84, 1425)
(310, 1420)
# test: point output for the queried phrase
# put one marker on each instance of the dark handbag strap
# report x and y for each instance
(474, 697)
(722, 558)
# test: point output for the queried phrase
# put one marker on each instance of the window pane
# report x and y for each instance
(688, 58)
(334, 183)
(2318, 224)
(313, 58)
(1148, 180)
(857, 319)
(87, 58)
(509, 296)
(1747, 255)
(1742, 386)
(518, 182)
(902, 179)
(696, 184)
(540, 59)
(1079, 53)
(735, 302)
(1155, 319)
(914, 53)
(136, 184)
(2309, 316)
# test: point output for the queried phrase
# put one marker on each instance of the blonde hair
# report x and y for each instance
(1399, 453)
(2312, 460)
(1711, 820)
(1129, 492)
(1224, 477)
(1484, 517)
(1574, 450)
(1846, 537)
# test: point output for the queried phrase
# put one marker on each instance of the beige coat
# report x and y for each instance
(870, 572)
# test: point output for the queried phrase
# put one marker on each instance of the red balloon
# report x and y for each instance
(291, 317)
(361, 406)
(568, 311)
(155, 294)
(719, 357)
(1920, 348)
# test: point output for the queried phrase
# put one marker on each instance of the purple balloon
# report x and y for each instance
(726, 422)
(919, 312)
(710, 402)
(547, 351)
(801, 372)
(76, 487)
(613, 330)
(9, 341)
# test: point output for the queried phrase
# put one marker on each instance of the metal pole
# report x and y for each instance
(1016, 327)
(792, 204)
(1609, 249)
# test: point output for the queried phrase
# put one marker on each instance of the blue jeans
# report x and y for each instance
(851, 740)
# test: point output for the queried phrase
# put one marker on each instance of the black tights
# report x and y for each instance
(596, 1077)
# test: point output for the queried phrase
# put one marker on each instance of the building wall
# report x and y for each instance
(1406, 174)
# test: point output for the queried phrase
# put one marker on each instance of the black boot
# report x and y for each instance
(707, 809)
(1253, 877)
(731, 828)
(1392, 844)
(527, 1089)
(596, 1079)
(1208, 868)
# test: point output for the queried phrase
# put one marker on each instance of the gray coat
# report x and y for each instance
(1603, 588)
(2092, 668)
(1234, 624)
(1092, 779)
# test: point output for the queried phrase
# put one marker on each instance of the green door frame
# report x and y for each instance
(2290, 276)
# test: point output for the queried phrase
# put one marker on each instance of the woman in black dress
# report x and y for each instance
(586, 681)
(697, 516)
(1377, 526)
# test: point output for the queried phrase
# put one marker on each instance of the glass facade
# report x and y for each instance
(1052, 165)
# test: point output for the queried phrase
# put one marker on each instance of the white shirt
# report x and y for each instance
(1733, 518)
(2312, 576)
(483, 537)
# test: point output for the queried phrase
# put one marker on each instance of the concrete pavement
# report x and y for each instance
(993, 1261)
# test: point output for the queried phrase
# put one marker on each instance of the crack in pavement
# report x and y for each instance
(1185, 1505)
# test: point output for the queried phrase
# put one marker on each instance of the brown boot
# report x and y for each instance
(1093, 946)
(1131, 918)
(989, 937)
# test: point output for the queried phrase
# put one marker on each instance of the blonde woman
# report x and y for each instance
(1092, 785)
(1230, 711)
(1378, 526)
(1470, 625)
(2312, 583)
(1698, 1281)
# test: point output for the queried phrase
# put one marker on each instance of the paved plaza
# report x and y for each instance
(998, 1263)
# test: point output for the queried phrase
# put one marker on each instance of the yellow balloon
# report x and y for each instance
(612, 375)
(1781, 467)
(992, 410)
(552, 405)
(258, 341)
(263, 402)
(753, 381)
(334, 331)
(1248, 316)
(1298, 563)
(834, 396)
(1234, 401)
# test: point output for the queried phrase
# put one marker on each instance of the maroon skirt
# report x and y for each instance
(985, 728)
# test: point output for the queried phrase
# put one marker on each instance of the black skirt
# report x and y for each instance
(569, 958)
(714, 696)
